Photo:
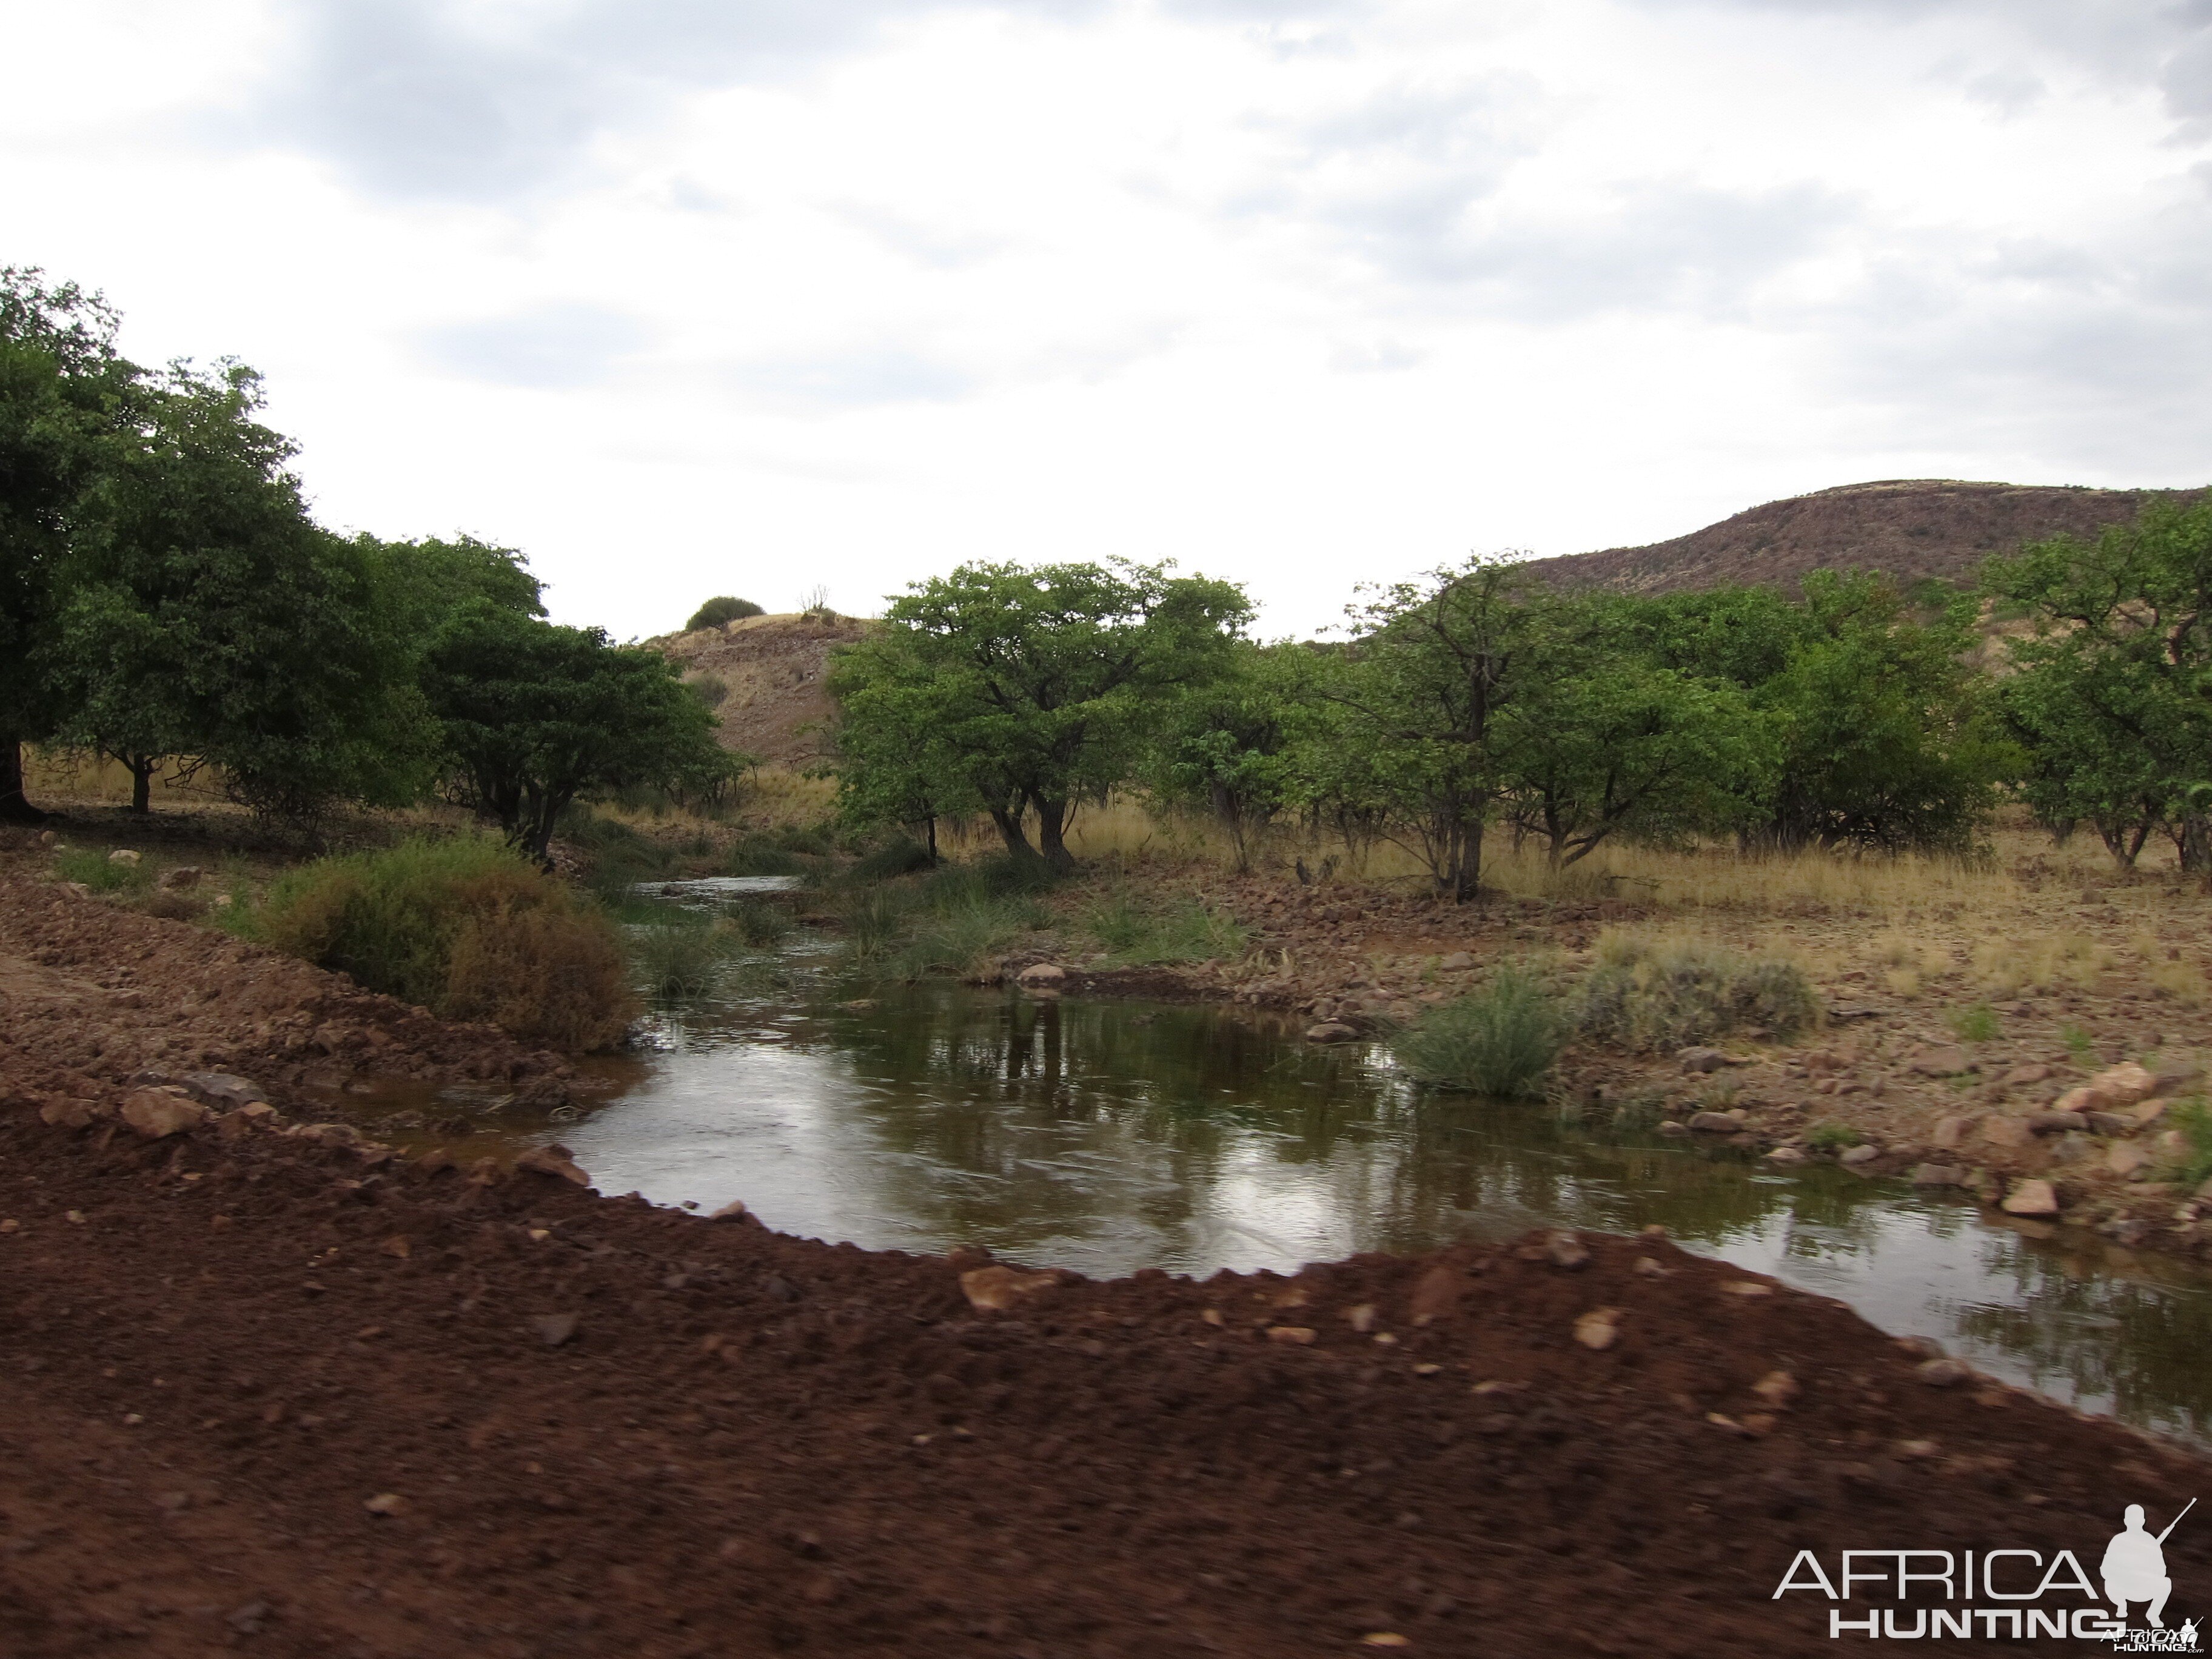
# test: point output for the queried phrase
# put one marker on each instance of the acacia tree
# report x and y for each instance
(65, 395)
(534, 716)
(2112, 698)
(1229, 747)
(1032, 684)
(207, 616)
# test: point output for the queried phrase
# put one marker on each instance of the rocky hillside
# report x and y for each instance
(1908, 528)
(776, 705)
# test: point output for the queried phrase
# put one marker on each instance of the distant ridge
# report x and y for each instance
(1907, 528)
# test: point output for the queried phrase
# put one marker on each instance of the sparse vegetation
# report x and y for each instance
(1187, 931)
(2194, 1121)
(1831, 1137)
(1646, 993)
(1975, 1023)
(681, 953)
(1500, 1040)
(464, 928)
(90, 867)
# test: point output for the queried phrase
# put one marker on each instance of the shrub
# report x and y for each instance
(1647, 995)
(1500, 1040)
(1831, 1137)
(901, 857)
(721, 609)
(464, 928)
(88, 867)
(710, 689)
(682, 955)
(756, 922)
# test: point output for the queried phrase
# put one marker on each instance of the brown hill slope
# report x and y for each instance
(1908, 528)
(775, 670)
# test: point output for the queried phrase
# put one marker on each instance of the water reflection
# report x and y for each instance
(1108, 1137)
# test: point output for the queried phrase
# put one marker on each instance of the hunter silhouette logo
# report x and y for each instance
(2016, 1594)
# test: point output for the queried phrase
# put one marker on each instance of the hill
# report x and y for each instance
(1907, 528)
(773, 670)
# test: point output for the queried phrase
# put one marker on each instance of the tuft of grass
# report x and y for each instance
(90, 867)
(682, 955)
(462, 926)
(1188, 931)
(757, 922)
(2078, 1042)
(1831, 1137)
(1500, 1040)
(947, 922)
(2194, 1167)
(1643, 994)
(1976, 1024)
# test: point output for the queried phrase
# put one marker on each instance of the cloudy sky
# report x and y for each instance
(691, 296)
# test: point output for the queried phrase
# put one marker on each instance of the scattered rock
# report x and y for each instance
(1940, 1175)
(2125, 1158)
(1298, 1336)
(1702, 1060)
(1042, 973)
(124, 855)
(554, 1329)
(1669, 1126)
(72, 1113)
(1648, 1267)
(2031, 1198)
(1599, 1328)
(2022, 1076)
(1777, 1389)
(1942, 1060)
(1714, 1123)
(2005, 1131)
(157, 1114)
(1786, 1157)
(386, 1503)
(1457, 962)
(1941, 1373)
(1564, 1249)
(178, 879)
(1331, 1031)
(1852, 1157)
(222, 1090)
(1360, 1318)
(995, 1289)
(552, 1160)
(733, 1211)
(1951, 1131)
(2057, 1123)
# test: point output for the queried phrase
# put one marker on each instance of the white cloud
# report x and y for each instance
(686, 297)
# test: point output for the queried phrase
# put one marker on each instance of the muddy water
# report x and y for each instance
(1108, 1136)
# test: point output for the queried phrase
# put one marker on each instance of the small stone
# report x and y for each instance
(1385, 1638)
(1042, 973)
(2022, 1076)
(1714, 1123)
(1360, 1318)
(1942, 1060)
(386, 1503)
(554, 1329)
(1648, 1267)
(156, 1114)
(733, 1211)
(1786, 1157)
(1777, 1389)
(1563, 1249)
(1701, 1060)
(2031, 1198)
(1331, 1031)
(222, 1090)
(995, 1289)
(1918, 1450)
(1941, 1373)
(1722, 1421)
(1669, 1126)
(1747, 1287)
(69, 1114)
(1457, 962)
(10, 1225)
(2124, 1157)
(1854, 1156)
(1951, 1131)
(182, 876)
(2005, 1131)
(553, 1160)
(2123, 1084)
(1598, 1329)
(2058, 1123)
(124, 855)
(1298, 1336)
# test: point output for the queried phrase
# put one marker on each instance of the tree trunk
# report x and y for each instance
(1052, 818)
(934, 859)
(141, 768)
(14, 808)
(1010, 831)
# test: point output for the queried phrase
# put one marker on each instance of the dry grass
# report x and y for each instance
(79, 776)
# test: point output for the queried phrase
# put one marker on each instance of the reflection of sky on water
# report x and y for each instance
(1108, 1137)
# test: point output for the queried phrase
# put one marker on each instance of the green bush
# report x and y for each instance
(2195, 1165)
(901, 857)
(1500, 1040)
(1643, 995)
(721, 609)
(710, 689)
(947, 922)
(464, 928)
(89, 868)
(1831, 1137)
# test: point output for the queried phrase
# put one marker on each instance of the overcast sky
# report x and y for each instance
(696, 296)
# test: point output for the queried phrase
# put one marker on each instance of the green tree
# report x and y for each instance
(65, 397)
(1032, 685)
(1229, 746)
(207, 616)
(2112, 696)
(536, 716)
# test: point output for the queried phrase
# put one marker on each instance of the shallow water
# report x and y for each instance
(1108, 1136)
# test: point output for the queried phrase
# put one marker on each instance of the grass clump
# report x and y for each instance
(1500, 1040)
(681, 954)
(901, 857)
(1831, 1137)
(464, 928)
(756, 922)
(1184, 932)
(90, 867)
(1652, 994)
(1978, 1023)
(2194, 1167)
(948, 922)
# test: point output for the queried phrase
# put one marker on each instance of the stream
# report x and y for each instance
(1105, 1136)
